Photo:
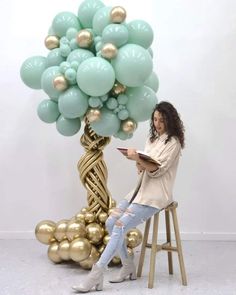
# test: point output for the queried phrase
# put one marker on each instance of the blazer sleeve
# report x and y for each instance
(170, 153)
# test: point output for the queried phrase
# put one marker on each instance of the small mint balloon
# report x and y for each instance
(31, 71)
(132, 65)
(48, 111)
(141, 103)
(111, 103)
(122, 99)
(116, 34)
(94, 102)
(71, 33)
(68, 127)
(123, 135)
(140, 32)
(64, 21)
(107, 125)
(73, 103)
(152, 82)
(70, 75)
(47, 81)
(54, 58)
(95, 76)
(101, 19)
(123, 114)
(87, 10)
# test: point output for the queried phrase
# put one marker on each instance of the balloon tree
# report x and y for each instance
(99, 71)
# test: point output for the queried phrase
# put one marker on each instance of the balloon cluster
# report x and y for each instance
(81, 239)
(99, 67)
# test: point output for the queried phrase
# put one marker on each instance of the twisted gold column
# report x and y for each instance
(93, 171)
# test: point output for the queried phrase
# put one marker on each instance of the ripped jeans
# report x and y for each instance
(125, 217)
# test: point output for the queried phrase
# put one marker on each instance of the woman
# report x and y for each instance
(153, 193)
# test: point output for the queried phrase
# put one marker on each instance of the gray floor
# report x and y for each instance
(210, 265)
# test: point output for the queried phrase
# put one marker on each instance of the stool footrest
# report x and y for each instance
(164, 246)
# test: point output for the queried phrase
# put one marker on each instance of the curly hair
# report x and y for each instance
(173, 124)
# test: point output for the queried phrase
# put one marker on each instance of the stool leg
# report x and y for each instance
(179, 247)
(153, 251)
(168, 239)
(143, 249)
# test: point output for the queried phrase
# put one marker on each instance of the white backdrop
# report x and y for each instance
(194, 47)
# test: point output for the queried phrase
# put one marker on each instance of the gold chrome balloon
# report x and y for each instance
(113, 203)
(60, 231)
(118, 88)
(80, 249)
(109, 51)
(111, 210)
(60, 83)
(84, 38)
(63, 250)
(89, 217)
(134, 237)
(128, 126)
(116, 260)
(93, 258)
(53, 253)
(52, 42)
(44, 231)
(84, 210)
(117, 14)
(106, 239)
(93, 115)
(130, 251)
(75, 230)
(80, 217)
(102, 217)
(95, 233)
(101, 248)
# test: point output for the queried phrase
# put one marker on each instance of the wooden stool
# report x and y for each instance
(165, 246)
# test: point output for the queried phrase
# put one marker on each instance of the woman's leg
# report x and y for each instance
(134, 215)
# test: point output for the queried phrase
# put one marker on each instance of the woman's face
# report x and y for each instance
(159, 123)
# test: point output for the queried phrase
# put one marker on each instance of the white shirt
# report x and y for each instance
(155, 188)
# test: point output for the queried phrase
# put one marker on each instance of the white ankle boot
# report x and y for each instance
(128, 269)
(94, 279)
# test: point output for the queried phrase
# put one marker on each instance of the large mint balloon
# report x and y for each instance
(123, 135)
(48, 111)
(101, 19)
(54, 58)
(63, 21)
(79, 55)
(87, 10)
(152, 82)
(141, 103)
(73, 103)
(95, 76)
(116, 34)
(68, 127)
(31, 71)
(140, 32)
(47, 81)
(132, 65)
(107, 125)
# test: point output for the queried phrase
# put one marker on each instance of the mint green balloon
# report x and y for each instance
(63, 21)
(116, 34)
(31, 71)
(123, 135)
(95, 76)
(79, 55)
(152, 82)
(68, 127)
(87, 10)
(150, 51)
(71, 33)
(48, 111)
(73, 103)
(101, 19)
(47, 81)
(140, 32)
(107, 125)
(54, 58)
(132, 65)
(141, 103)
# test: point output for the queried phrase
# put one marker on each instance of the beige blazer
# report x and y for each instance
(155, 188)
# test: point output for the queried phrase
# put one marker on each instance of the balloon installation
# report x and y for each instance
(99, 71)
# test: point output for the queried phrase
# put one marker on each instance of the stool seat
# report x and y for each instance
(167, 246)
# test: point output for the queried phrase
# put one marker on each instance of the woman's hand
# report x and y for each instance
(132, 154)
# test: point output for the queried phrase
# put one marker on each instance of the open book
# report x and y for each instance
(142, 155)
